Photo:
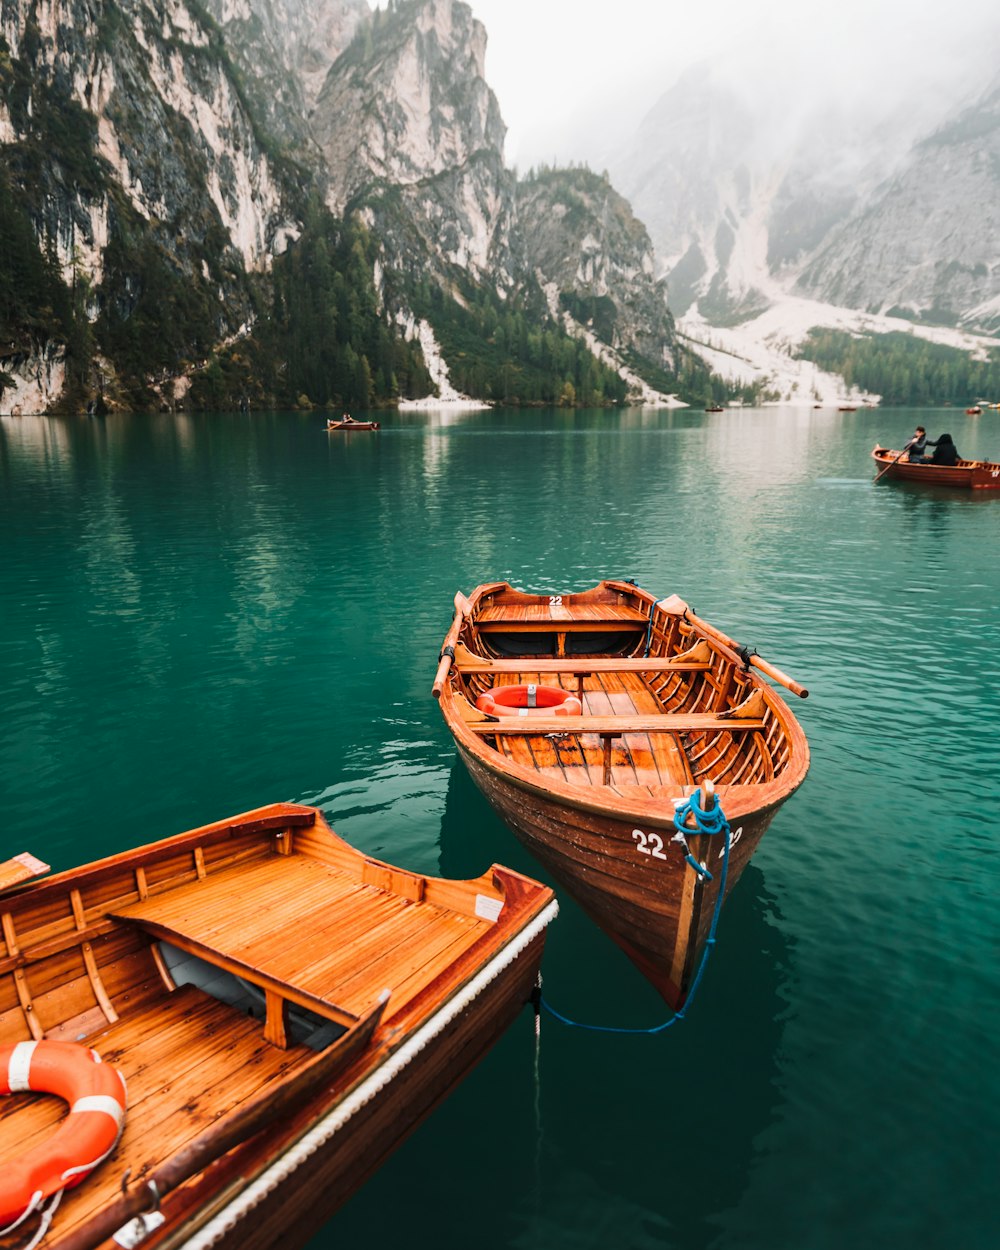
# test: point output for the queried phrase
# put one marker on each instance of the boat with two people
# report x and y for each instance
(590, 721)
(963, 474)
(246, 1019)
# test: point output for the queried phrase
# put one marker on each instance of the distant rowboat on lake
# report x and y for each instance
(966, 475)
(275, 1012)
(587, 719)
(348, 424)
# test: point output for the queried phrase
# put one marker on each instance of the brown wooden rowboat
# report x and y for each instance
(967, 474)
(350, 425)
(283, 1009)
(668, 704)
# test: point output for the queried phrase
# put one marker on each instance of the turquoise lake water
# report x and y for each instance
(205, 614)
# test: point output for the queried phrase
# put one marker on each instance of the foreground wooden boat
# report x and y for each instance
(283, 1011)
(967, 474)
(666, 704)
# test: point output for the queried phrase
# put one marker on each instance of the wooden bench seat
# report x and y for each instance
(695, 722)
(581, 667)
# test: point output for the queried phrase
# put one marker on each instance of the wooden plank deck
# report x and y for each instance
(183, 1058)
(637, 758)
(309, 933)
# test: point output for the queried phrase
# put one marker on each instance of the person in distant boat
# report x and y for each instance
(347, 418)
(945, 451)
(915, 447)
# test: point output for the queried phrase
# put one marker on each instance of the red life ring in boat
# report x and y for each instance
(528, 700)
(96, 1096)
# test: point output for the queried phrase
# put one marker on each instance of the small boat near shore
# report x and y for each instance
(246, 1019)
(588, 719)
(966, 474)
(348, 424)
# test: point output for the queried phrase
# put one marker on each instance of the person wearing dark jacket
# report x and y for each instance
(915, 447)
(945, 451)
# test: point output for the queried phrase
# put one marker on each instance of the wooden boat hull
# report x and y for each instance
(608, 838)
(653, 908)
(347, 426)
(966, 475)
(253, 1137)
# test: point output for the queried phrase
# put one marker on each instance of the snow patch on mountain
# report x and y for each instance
(762, 349)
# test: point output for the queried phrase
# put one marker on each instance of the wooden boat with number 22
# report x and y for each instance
(587, 720)
(245, 1020)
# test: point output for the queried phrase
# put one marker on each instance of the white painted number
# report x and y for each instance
(555, 601)
(649, 843)
(734, 838)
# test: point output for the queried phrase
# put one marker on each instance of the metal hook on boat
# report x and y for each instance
(746, 655)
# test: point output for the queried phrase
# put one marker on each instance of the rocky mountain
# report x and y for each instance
(879, 211)
(149, 185)
(926, 243)
(408, 126)
(582, 239)
(173, 162)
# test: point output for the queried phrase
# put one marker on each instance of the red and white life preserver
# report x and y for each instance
(528, 700)
(96, 1096)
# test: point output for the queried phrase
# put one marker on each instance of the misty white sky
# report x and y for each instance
(574, 77)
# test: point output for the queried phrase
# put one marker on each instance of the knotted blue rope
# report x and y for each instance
(710, 821)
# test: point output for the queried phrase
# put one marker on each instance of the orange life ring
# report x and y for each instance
(96, 1096)
(528, 700)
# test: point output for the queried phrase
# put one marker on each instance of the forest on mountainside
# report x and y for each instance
(903, 368)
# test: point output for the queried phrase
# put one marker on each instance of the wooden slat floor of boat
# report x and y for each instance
(640, 759)
(315, 928)
(186, 1059)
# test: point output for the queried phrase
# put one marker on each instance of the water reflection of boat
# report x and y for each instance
(283, 1011)
(587, 719)
(967, 474)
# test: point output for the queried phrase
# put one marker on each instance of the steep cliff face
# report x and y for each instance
(128, 144)
(581, 235)
(284, 50)
(407, 123)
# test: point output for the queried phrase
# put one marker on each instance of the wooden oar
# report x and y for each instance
(768, 669)
(883, 472)
(462, 609)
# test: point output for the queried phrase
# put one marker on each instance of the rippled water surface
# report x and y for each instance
(204, 614)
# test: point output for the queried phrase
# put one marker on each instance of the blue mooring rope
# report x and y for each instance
(711, 822)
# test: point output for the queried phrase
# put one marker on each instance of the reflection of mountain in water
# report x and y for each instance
(621, 1115)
